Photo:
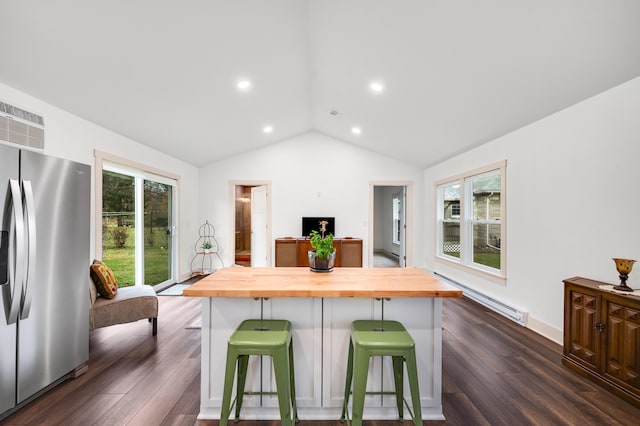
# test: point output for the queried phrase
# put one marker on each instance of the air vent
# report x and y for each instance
(21, 127)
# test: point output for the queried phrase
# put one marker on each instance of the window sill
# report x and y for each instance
(496, 278)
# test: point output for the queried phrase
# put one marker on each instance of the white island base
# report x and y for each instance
(320, 328)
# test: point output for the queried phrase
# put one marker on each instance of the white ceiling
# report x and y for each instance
(457, 73)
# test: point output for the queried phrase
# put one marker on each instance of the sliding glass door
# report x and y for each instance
(138, 225)
(118, 226)
(157, 232)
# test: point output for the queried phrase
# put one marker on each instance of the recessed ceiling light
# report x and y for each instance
(267, 129)
(376, 87)
(356, 130)
(244, 84)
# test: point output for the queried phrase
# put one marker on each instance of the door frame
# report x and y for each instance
(258, 238)
(99, 158)
(232, 216)
(408, 215)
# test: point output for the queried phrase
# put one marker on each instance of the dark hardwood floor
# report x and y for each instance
(494, 373)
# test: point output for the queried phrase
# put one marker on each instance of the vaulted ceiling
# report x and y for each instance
(455, 74)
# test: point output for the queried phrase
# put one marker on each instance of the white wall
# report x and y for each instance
(73, 138)
(572, 202)
(311, 175)
(379, 218)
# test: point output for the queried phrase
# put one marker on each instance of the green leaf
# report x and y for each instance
(322, 245)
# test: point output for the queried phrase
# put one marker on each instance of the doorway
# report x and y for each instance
(251, 224)
(389, 226)
(243, 225)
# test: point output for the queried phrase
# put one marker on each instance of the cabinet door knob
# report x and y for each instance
(599, 326)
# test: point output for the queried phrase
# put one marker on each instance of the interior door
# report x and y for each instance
(259, 241)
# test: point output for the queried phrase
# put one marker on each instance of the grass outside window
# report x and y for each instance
(122, 260)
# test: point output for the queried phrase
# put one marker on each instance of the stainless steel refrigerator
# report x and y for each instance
(44, 268)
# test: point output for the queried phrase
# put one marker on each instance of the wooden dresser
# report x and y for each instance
(602, 336)
(293, 252)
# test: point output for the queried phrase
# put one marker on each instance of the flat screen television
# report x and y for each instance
(311, 223)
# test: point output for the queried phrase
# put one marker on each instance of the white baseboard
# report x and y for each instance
(514, 313)
(552, 333)
(387, 253)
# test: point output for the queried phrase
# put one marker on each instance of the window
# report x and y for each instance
(450, 227)
(455, 209)
(397, 210)
(471, 223)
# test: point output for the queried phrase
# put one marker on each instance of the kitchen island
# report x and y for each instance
(321, 307)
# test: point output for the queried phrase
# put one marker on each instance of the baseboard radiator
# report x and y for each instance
(511, 312)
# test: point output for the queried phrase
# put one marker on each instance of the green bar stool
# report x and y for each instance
(380, 338)
(260, 337)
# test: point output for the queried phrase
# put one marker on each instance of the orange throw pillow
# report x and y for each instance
(104, 279)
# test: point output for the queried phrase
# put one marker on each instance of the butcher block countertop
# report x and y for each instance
(302, 282)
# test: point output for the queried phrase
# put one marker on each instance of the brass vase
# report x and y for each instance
(624, 268)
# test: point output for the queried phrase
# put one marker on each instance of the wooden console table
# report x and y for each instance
(293, 252)
(602, 336)
(321, 307)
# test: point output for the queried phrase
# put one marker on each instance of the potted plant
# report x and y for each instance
(206, 246)
(323, 255)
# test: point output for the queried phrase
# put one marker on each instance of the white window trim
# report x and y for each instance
(464, 262)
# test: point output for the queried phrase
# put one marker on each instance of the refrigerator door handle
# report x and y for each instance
(14, 222)
(30, 216)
